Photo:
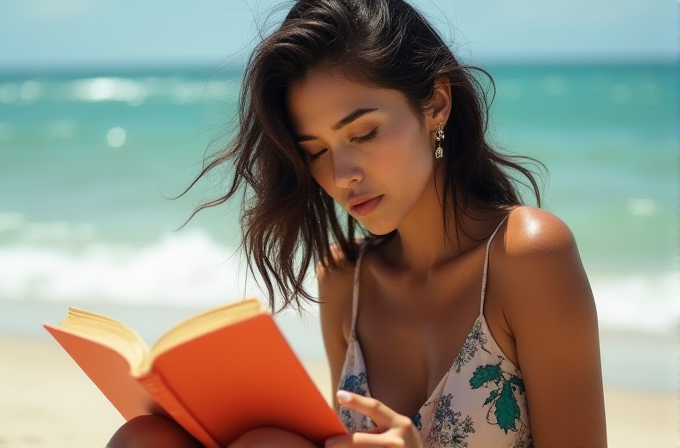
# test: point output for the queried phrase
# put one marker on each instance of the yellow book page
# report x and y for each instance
(201, 324)
(107, 332)
(117, 336)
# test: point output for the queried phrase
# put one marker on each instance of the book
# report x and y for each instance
(218, 374)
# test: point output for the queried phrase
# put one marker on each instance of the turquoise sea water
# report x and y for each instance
(86, 159)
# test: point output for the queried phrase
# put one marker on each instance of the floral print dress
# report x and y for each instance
(479, 403)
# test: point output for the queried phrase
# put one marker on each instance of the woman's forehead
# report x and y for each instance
(327, 95)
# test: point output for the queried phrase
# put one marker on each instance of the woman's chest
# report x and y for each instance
(411, 337)
(479, 399)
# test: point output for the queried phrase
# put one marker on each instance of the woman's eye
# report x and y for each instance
(366, 138)
(312, 157)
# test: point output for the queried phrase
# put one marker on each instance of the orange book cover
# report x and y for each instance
(218, 374)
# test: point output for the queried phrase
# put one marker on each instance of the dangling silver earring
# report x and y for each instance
(439, 136)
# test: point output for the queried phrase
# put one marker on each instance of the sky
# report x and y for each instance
(64, 34)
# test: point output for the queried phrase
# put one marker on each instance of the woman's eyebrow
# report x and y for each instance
(339, 125)
(351, 117)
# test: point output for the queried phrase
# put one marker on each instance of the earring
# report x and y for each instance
(439, 136)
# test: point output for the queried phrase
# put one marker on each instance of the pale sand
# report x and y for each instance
(46, 401)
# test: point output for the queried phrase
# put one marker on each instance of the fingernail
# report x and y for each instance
(330, 442)
(343, 396)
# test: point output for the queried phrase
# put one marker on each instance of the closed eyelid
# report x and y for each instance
(351, 118)
(362, 130)
(311, 157)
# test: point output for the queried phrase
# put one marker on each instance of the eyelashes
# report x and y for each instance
(312, 157)
(366, 138)
(363, 139)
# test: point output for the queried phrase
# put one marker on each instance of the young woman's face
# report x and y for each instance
(365, 146)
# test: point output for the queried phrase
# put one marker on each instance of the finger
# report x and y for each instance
(378, 430)
(381, 415)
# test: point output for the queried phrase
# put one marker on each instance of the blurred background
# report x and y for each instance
(108, 108)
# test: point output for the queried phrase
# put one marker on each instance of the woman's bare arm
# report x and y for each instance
(549, 308)
(335, 308)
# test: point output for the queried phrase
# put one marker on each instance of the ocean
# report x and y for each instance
(88, 161)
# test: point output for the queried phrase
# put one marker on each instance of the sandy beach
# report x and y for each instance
(46, 401)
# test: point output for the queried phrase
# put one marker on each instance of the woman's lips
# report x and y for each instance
(365, 207)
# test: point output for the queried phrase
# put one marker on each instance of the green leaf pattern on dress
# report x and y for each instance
(501, 401)
(417, 421)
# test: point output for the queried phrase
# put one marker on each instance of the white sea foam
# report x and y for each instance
(191, 268)
(133, 91)
(186, 269)
(647, 303)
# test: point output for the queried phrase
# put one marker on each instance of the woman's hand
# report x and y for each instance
(395, 430)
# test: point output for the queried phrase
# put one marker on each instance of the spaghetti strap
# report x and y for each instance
(486, 263)
(355, 288)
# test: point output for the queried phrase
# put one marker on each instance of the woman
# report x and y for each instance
(462, 318)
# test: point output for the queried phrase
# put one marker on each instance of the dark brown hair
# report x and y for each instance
(288, 221)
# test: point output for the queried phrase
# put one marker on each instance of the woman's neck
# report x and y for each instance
(426, 242)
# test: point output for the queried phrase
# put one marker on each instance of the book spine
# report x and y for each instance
(154, 384)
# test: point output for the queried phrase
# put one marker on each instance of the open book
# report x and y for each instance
(218, 374)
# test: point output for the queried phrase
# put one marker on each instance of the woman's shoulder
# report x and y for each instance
(533, 232)
(335, 278)
(336, 286)
(337, 270)
(536, 260)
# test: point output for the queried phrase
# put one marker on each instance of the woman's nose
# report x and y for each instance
(346, 169)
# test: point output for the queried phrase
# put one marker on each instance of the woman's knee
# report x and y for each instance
(271, 437)
(151, 431)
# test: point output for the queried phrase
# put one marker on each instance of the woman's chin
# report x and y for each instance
(378, 229)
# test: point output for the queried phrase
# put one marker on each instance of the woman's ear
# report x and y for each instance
(440, 106)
